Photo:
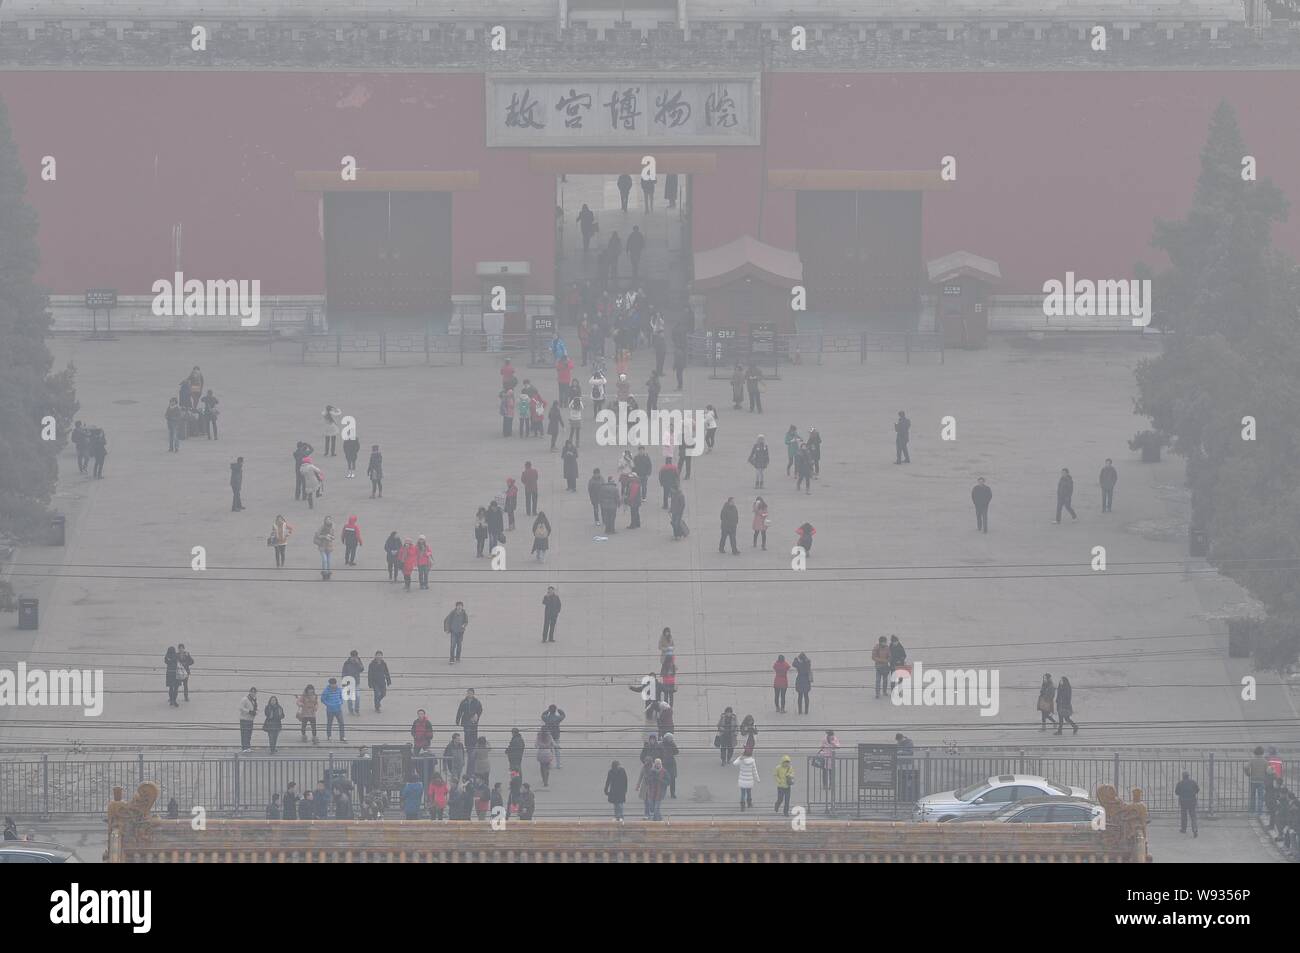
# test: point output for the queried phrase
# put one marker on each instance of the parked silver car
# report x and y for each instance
(987, 797)
(1047, 810)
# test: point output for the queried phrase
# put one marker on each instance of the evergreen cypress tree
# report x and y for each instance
(1231, 302)
(28, 391)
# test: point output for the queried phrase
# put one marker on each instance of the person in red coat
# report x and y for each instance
(438, 793)
(529, 479)
(423, 560)
(406, 556)
(421, 731)
(564, 373)
(780, 682)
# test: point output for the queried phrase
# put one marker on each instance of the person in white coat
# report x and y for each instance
(747, 778)
(333, 418)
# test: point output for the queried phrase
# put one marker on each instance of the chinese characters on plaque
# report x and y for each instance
(621, 110)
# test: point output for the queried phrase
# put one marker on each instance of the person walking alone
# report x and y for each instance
(981, 495)
(236, 484)
(616, 789)
(575, 421)
(784, 785)
(541, 536)
(351, 450)
(759, 457)
(351, 540)
(332, 417)
(544, 746)
(307, 705)
(454, 625)
(1186, 791)
(550, 614)
(375, 470)
(730, 519)
(279, 539)
(378, 678)
(747, 777)
(902, 434)
(1064, 494)
(324, 540)
(332, 699)
(760, 522)
(555, 422)
(1107, 480)
(353, 667)
(529, 479)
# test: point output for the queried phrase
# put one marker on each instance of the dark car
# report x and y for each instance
(1049, 810)
(31, 852)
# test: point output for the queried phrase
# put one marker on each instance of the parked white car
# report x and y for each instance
(987, 797)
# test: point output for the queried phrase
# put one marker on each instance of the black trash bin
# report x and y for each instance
(29, 613)
(58, 530)
(1198, 543)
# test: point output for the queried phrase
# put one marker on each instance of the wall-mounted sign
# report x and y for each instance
(622, 110)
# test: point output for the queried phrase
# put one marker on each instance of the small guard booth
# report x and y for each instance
(962, 284)
(747, 282)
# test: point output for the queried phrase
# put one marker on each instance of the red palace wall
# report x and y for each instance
(1056, 171)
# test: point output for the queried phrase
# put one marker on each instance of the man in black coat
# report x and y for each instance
(616, 789)
(236, 484)
(980, 496)
(642, 466)
(496, 525)
(1107, 480)
(378, 678)
(469, 707)
(550, 614)
(902, 433)
(730, 520)
(1064, 494)
(624, 188)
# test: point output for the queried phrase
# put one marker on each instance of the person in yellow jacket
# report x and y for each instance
(784, 784)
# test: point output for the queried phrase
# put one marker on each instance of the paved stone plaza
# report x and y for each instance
(896, 552)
